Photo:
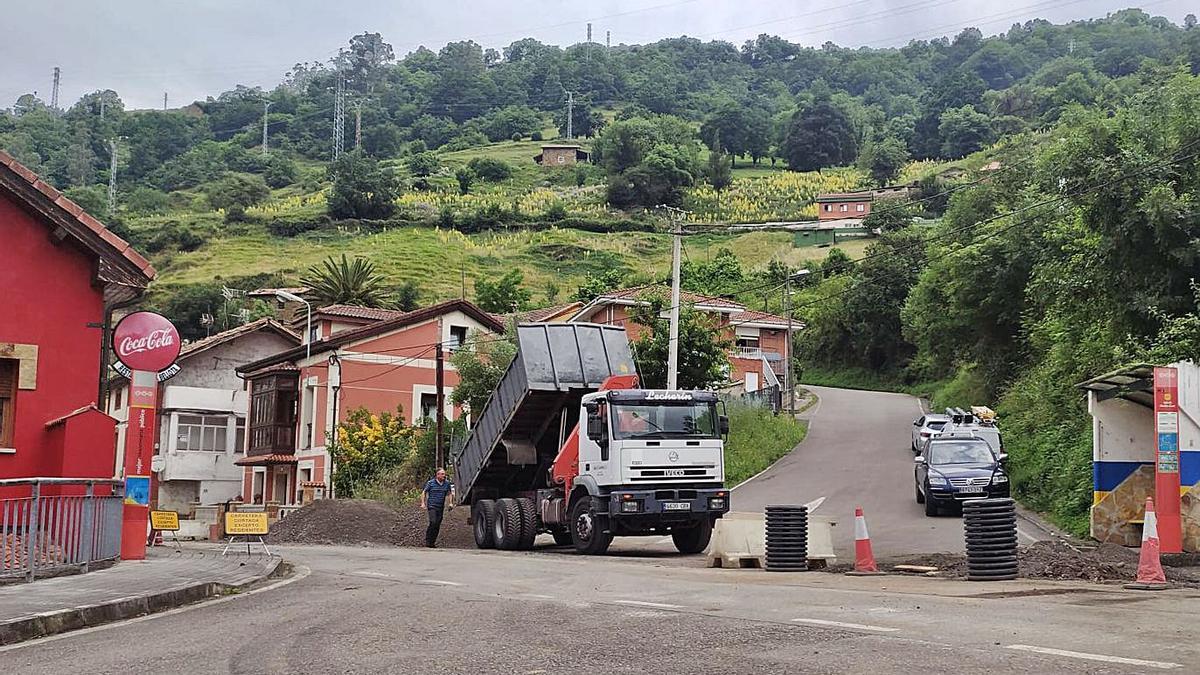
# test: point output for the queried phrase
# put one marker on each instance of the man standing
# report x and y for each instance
(434, 496)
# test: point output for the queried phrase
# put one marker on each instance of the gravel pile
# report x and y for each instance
(364, 522)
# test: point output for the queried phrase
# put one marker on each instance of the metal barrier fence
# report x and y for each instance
(54, 523)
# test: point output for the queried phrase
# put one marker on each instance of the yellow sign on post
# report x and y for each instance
(242, 523)
(164, 521)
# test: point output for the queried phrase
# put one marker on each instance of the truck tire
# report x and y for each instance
(529, 523)
(507, 526)
(588, 530)
(483, 516)
(692, 539)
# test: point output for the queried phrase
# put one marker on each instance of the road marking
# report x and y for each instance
(642, 603)
(437, 582)
(1162, 665)
(301, 572)
(536, 596)
(841, 624)
(1023, 533)
(369, 573)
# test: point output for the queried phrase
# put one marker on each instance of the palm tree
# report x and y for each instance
(346, 282)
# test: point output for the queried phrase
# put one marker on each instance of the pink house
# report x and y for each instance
(356, 357)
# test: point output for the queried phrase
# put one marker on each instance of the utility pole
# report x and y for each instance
(112, 176)
(54, 91)
(339, 117)
(787, 307)
(607, 40)
(673, 338)
(164, 100)
(441, 401)
(266, 107)
(357, 123)
(588, 53)
(570, 114)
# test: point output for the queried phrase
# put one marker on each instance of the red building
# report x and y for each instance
(840, 206)
(759, 339)
(63, 275)
(360, 358)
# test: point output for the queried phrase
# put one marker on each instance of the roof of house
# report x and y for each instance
(561, 145)
(91, 407)
(644, 293)
(119, 263)
(270, 292)
(375, 329)
(539, 315)
(750, 316)
(193, 348)
(358, 312)
(846, 197)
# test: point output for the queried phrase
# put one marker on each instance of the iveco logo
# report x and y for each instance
(673, 456)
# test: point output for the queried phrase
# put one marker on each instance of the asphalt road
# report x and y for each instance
(364, 610)
(857, 453)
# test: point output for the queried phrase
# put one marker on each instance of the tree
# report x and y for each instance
(406, 296)
(889, 216)
(490, 169)
(718, 173)
(723, 274)
(235, 193)
(595, 285)
(725, 130)
(819, 136)
(342, 282)
(91, 198)
(963, 131)
(480, 364)
(502, 295)
(279, 171)
(465, 176)
(836, 262)
(884, 159)
(423, 164)
(702, 353)
(361, 188)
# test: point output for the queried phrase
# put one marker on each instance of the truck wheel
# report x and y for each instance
(562, 537)
(507, 527)
(588, 529)
(692, 539)
(483, 515)
(529, 523)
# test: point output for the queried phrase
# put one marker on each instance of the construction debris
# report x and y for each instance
(364, 522)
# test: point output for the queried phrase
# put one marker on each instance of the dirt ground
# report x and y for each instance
(1096, 563)
(364, 522)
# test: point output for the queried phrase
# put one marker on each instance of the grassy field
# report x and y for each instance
(756, 440)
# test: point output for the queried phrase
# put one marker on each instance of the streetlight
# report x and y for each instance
(791, 372)
(284, 295)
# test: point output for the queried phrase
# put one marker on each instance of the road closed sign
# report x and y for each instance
(238, 523)
(164, 521)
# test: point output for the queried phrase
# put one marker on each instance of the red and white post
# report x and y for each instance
(864, 558)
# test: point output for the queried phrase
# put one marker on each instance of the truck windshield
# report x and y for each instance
(646, 420)
(968, 452)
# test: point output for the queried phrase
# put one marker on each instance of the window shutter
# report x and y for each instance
(8, 377)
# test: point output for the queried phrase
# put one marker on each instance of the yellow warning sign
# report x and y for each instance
(242, 523)
(164, 521)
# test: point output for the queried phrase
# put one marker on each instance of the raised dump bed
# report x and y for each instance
(520, 430)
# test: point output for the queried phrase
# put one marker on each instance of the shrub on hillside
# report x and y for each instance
(490, 169)
(361, 188)
(235, 193)
(536, 136)
(292, 227)
(279, 171)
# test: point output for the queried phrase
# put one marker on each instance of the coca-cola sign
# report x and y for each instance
(146, 341)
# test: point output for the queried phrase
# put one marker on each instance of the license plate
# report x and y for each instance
(674, 472)
(677, 506)
(972, 489)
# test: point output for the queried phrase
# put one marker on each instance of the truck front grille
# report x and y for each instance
(668, 474)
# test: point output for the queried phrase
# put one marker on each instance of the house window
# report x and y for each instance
(239, 442)
(845, 207)
(861, 208)
(205, 433)
(428, 406)
(828, 208)
(8, 401)
(117, 396)
(458, 337)
(273, 413)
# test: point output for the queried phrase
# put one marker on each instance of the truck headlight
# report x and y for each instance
(631, 506)
(716, 503)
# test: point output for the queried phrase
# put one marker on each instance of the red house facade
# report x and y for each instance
(63, 274)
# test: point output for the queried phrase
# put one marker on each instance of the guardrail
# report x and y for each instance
(47, 524)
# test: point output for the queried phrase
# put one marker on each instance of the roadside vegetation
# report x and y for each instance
(757, 439)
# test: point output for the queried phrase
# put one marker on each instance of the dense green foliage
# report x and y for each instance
(702, 351)
(346, 282)
(756, 439)
(1076, 258)
(504, 294)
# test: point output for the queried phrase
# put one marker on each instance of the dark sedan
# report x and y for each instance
(952, 470)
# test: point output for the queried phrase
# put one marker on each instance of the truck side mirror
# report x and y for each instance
(723, 424)
(919, 459)
(595, 428)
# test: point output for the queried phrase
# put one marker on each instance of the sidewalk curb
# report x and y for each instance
(87, 616)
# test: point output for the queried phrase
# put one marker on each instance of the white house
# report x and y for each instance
(202, 415)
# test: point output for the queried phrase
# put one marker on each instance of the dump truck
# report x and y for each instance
(569, 445)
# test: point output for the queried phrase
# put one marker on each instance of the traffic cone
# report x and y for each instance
(864, 559)
(1150, 575)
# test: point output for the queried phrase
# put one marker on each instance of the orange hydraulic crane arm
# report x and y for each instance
(566, 464)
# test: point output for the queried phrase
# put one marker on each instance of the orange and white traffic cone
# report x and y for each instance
(864, 559)
(1150, 576)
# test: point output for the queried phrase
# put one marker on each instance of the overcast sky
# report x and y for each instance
(197, 48)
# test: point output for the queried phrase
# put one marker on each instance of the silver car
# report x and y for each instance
(925, 427)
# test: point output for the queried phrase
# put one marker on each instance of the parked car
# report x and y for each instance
(954, 468)
(981, 422)
(927, 426)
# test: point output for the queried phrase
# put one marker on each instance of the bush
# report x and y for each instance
(292, 227)
(757, 439)
(90, 198)
(279, 171)
(235, 193)
(147, 200)
(423, 164)
(489, 169)
(517, 136)
(556, 213)
(536, 136)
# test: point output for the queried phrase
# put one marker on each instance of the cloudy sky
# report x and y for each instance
(196, 48)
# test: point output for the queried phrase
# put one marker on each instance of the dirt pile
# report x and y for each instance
(365, 522)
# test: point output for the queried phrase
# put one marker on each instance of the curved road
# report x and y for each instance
(857, 453)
